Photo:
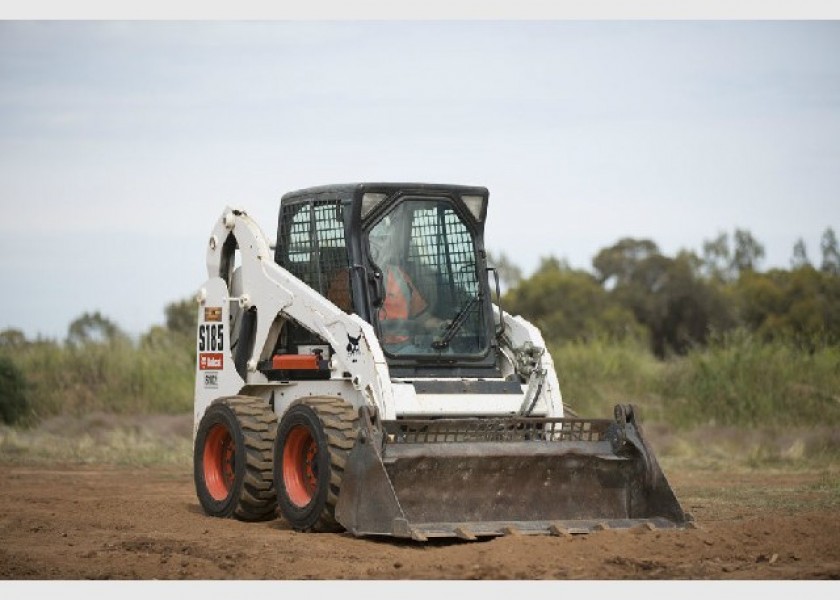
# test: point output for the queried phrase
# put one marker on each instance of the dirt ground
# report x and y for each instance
(96, 522)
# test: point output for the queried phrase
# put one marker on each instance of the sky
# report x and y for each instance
(121, 142)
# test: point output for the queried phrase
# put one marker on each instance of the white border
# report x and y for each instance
(425, 9)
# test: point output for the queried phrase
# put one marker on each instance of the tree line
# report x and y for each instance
(98, 366)
(677, 303)
(633, 293)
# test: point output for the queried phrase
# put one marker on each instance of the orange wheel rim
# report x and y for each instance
(300, 468)
(219, 462)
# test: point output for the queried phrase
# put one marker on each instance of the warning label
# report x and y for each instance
(212, 313)
(211, 380)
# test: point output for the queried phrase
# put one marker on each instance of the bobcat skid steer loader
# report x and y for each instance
(361, 375)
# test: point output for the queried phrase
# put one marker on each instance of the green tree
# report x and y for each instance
(12, 338)
(14, 404)
(691, 308)
(666, 295)
(618, 264)
(568, 304)
(830, 253)
(717, 258)
(800, 255)
(182, 316)
(747, 254)
(94, 328)
(178, 333)
(801, 305)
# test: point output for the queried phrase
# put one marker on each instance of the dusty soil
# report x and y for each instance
(95, 522)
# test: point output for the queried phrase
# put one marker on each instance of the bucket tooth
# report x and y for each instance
(511, 530)
(402, 528)
(603, 526)
(464, 534)
(559, 531)
(418, 537)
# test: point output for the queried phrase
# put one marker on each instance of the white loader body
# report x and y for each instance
(358, 372)
(358, 376)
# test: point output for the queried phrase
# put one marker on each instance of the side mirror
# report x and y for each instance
(378, 288)
(500, 328)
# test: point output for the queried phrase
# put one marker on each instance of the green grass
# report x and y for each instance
(735, 381)
(761, 404)
(595, 376)
(730, 448)
(740, 381)
(100, 439)
(120, 377)
(821, 494)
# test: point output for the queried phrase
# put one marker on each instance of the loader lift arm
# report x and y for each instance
(275, 294)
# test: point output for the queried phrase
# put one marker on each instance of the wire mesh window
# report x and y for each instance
(429, 242)
(314, 248)
(441, 241)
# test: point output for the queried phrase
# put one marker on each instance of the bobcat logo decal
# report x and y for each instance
(353, 345)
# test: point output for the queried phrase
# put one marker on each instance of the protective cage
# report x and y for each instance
(436, 431)
(311, 245)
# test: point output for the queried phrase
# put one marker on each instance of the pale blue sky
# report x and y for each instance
(121, 142)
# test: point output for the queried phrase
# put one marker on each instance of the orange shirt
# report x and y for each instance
(402, 301)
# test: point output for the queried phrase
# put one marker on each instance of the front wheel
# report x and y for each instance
(313, 441)
(232, 459)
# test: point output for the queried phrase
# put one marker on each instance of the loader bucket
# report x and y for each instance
(471, 478)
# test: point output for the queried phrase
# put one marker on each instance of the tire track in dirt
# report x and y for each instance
(118, 523)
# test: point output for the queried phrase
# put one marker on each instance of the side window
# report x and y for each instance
(461, 252)
(314, 250)
(427, 254)
(441, 240)
(424, 238)
(333, 264)
(299, 240)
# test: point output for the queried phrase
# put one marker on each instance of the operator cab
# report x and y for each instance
(407, 258)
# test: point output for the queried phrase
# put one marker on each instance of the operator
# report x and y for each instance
(404, 311)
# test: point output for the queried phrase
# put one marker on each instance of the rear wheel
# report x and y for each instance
(314, 439)
(232, 459)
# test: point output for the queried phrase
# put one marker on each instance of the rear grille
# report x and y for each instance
(431, 431)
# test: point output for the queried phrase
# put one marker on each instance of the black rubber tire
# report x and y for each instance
(332, 424)
(251, 426)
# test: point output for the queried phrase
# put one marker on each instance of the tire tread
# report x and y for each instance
(258, 498)
(340, 422)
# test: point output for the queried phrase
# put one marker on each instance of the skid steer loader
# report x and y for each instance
(360, 374)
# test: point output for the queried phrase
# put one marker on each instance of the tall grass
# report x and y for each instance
(79, 440)
(596, 375)
(737, 380)
(119, 377)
